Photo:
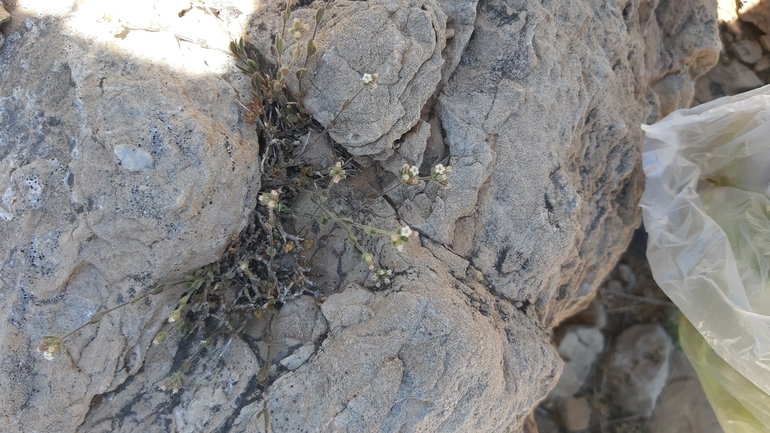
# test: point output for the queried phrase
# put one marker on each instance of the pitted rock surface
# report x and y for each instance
(116, 172)
(120, 168)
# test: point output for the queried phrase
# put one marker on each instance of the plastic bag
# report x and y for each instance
(737, 403)
(706, 209)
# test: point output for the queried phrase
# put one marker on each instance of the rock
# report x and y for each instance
(4, 18)
(763, 64)
(764, 41)
(683, 407)
(746, 50)
(520, 244)
(401, 41)
(729, 77)
(117, 172)
(615, 286)
(574, 413)
(756, 12)
(410, 374)
(637, 368)
(681, 44)
(130, 164)
(627, 274)
(579, 349)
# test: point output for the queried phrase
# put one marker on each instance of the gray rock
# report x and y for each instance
(4, 18)
(408, 373)
(579, 349)
(683, 407)
(729, 77)
(681, 44)
(401, 41)
(538, 114)
(746, 50)
(637, 368)
(78, 232)
(627, 275)
(520, 244)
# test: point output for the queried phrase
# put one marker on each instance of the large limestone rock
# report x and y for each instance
(128, 165)
(681, 45)
(117, 170)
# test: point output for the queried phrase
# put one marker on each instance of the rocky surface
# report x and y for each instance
(116, 172)
(127, 166)
(680, 46)
(629, 298)
(744, 62)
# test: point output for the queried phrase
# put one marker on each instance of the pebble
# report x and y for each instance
(579, 350)
(637, 368)
(627, 275)
(615, 286)
(574, 413)
(747, 51)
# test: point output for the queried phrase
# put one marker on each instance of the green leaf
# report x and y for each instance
(183, 301)
(241, 45)
(97, 317)
(347, 103)
(301, 73)
(279, 43)
(311, 47)
(234, 48)
(286, 14)
(256, 80)
(197, 284)
(252, 65)
(319, 14)
(262, 375)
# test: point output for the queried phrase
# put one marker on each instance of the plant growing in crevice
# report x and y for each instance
(268, 263)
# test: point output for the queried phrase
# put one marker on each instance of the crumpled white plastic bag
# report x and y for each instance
(705, 207)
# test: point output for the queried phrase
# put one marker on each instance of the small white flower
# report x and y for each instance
(439, 169)
(270, 200)
(48, 355)
(405, 231)
(414, 171)
(367, 78)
